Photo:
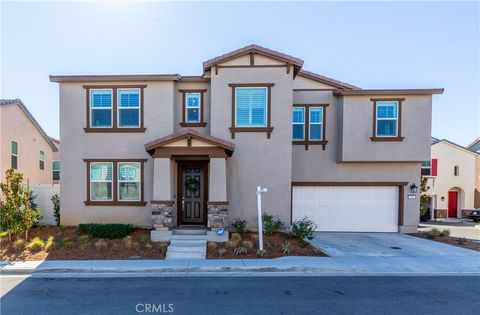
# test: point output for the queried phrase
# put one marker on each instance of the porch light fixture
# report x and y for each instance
(413, 188)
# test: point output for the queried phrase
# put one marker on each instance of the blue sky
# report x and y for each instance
(371, 45)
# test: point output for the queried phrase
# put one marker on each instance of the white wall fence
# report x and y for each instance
(44, 194)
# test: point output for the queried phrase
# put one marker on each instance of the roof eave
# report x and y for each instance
(113, 78)
(346, 92)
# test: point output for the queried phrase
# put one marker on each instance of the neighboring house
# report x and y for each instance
(452, 175)
(475, 146)
(56, 162)
(191, 150)
(24, 144)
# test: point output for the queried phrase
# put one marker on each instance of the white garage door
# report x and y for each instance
(348, 208)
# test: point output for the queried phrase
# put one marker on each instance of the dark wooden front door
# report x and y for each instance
(192, 193)
(452, 204)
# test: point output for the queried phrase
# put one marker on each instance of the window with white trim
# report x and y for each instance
(101, 181)
(298, 122)
(426, 168)
(56, 170)
(386, 119)
(315, 123)
(14, 155)
(128, 106)
(101, 108)
(193, 105)
(42, 160)
(129, 176)
(251, 106)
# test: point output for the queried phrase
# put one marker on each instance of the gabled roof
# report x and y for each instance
(326, 80)
(475, 142)
(22, 106)
(456, 145)
(189, 134)
(434, 140)
(296, 62)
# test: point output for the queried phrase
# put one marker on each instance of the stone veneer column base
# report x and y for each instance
(162, 216)
(217, 215)
(440, 214)
(464, 213)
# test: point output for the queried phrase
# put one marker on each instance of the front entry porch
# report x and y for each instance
(189, 184)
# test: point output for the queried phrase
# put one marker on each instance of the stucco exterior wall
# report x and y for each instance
(448, 156)
(16, 126)
(358, 129)
(78, 145)
(477, 183)
(257, 161)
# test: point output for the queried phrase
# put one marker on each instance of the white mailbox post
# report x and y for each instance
(260, 191)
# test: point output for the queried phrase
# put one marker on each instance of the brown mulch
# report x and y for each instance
(115, 249)
(272, 246)
(451, 240)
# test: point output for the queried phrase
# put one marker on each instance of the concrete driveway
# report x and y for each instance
(385, 245)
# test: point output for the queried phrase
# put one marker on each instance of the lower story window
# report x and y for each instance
(115, 182)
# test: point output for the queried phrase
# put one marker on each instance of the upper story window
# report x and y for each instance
(251, 108)
(427, 168)
(309, 124)
(14, 155)
(42, 160)
(456, 170)
(115, 182)
(193, 108)
(56, 170)
(128, 108)
(387, 119)
(115, 109)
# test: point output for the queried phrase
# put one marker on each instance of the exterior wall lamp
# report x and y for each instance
(413, 188)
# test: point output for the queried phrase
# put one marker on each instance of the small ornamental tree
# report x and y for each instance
(424, 200)
(56, 208)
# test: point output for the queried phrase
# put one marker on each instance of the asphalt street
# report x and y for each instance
(240, 295)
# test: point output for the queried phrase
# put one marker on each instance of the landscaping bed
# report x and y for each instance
(277, 245)
(456, 241)
(66, 244)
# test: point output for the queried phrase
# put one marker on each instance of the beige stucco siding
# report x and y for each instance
(448, 156)
(78, 145)
(257, 161)
(16, 126)
(305, 83)
(357, 115)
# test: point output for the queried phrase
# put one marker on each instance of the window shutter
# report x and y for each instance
(434, 167)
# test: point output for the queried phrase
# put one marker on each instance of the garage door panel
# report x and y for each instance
(348, 208)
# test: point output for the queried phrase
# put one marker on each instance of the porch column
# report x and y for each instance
(162, 203)
(217, 193)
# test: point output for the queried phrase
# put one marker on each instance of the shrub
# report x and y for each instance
(240, 226)
(232, 244)
(101, 244)
(247, 244)
(240, 250)
(434, 232)
(261, 253)
(19, 244)
(50, 244)
(36, 244)
(109, 231)
(3, 235)
(67, 243)
(286, 247)
(56, 208)
(221, 252)
(445, 232)
(271, 225)
(84, 241)
(462, 241)
(144, 241)
(255, 237)
(236, 237)
(303, 229)
(127, 242)
(212, 245)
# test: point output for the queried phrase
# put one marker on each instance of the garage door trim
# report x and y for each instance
(401, 193)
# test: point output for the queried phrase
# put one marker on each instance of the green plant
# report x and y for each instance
(19, 244)
(50, 244)
(221, 252)
(109, 231)
(56, 208)
(144, 241)
(236, 237)
(271, 225)
(3, 235)
(424, 200)
(303, 229)
(16, 212)
(240, 225)
(434, 232)
(84, 241)
(240, 250)
(36, 244)
(67, 243)
(444, 232)
(286, 247)
(462, 241)
(261, 253)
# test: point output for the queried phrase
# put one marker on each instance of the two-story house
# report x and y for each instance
(24, 145)
(191, 150)
(453, 179)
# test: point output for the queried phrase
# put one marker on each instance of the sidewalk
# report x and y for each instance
(322, 265)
